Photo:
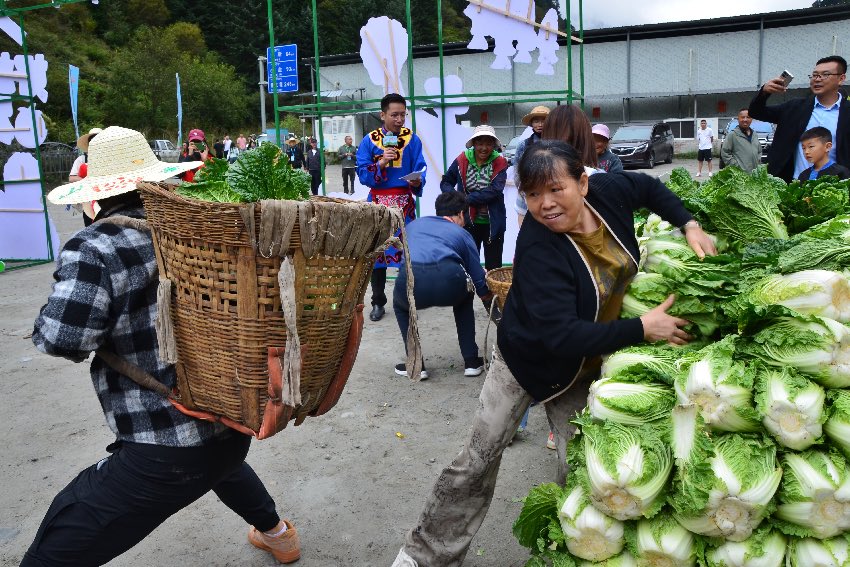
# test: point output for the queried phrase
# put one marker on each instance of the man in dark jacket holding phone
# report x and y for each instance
(827, 107)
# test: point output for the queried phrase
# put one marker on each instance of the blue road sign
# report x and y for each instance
(283, 78)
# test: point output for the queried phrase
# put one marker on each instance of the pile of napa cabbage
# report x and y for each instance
(735, 450)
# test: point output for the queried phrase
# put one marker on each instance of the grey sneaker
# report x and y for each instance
(401, 370)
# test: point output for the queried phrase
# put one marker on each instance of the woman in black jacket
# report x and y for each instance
(575, 257)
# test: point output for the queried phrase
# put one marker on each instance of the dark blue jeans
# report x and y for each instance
(438, 285)
(117, 502)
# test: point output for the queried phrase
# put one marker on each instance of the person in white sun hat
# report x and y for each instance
(480, 172)
(105, 301)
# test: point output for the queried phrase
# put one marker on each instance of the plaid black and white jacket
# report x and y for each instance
(105, 296)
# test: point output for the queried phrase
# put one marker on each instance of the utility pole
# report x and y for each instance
(263, 83)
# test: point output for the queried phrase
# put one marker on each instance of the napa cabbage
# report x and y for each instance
(628, 467)
(629, 403)
(720, 386)
(810, 292)
(811, 552)
(791, 406)
(589, 534)
(662, 541)
(814, 495)
(807, 203)
(744, 206)
(643, 363)
(765, 548)
(816, 346)
(723, 486)
(837, 426)
(625, 559)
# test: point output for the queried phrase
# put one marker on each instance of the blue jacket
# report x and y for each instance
(434, 239)
(493, 196)
(410, 159)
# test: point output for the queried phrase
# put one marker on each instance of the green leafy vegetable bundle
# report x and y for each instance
(733, 451)
(806, 203)
(261, 173)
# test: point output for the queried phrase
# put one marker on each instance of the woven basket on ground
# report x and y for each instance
(222, 264)
(499, 282)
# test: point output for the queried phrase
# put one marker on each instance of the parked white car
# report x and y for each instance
(164, 150)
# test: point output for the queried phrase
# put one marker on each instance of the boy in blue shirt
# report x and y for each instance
(384, 156)
(816, 143)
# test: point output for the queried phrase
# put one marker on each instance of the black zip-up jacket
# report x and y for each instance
(549, 329)
(791, 119)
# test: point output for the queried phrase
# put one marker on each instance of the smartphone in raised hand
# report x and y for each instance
(786, 77)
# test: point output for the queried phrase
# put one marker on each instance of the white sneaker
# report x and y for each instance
(709, 174)
(699, 175)
(401, 370)
(404, 560)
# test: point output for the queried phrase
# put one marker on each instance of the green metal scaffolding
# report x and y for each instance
(18, 15)
(321, 109)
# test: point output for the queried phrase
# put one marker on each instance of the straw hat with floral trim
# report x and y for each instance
(483, 131)
(83, 141)
(119, 158)
(536, 112)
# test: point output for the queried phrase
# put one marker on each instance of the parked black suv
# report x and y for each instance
(643, 144)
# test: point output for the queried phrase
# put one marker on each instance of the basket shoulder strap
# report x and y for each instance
(125, 221)
(133, 372)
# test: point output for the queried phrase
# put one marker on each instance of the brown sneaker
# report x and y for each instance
(286, 547)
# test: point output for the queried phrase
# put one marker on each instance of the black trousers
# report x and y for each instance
(438, 285)
(348, 177)
(117, 502)
(492, 248)
(379, 285)
(315, 181)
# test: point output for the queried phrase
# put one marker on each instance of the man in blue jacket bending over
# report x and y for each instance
(446, 272)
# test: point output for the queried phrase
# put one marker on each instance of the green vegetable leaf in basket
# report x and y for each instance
(265, 173)
(215, 191)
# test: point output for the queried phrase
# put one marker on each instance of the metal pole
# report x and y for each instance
(37, 144)
(411, 83)
(319, 95)
(271, 62)
(442, 80)
(761, 52)
(581, 48)
(569, 54)
(260, 60)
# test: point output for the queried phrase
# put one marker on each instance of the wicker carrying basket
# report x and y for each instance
(499, 282)
(226, 308)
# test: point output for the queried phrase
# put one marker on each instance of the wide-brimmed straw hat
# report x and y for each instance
(292, 138)
(483, 131)
(119, 158)
(83, 141)
(536, 112)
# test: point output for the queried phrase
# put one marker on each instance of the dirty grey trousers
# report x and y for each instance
(461, 496)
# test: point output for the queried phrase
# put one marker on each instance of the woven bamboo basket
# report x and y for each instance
(226, 309)
(499, 281)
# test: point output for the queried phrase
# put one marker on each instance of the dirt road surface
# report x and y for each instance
(351, 484)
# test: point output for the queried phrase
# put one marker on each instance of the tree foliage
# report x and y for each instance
(141, 92)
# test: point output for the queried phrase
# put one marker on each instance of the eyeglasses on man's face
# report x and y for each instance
(825, 75)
